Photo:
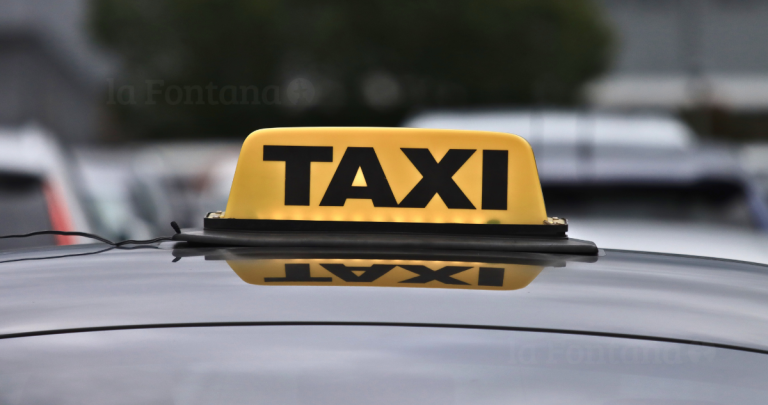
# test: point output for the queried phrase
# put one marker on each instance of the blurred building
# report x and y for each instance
(670, 54)
(678, 54)
(49, 73)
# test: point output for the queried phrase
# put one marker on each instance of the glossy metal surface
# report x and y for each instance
(665, 296)
(331, 365)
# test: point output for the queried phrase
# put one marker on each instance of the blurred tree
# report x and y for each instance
(199, 67)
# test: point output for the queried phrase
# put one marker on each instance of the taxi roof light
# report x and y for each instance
(339, 182)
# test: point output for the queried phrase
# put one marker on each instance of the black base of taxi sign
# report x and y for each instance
(385, 240)
(388, 227)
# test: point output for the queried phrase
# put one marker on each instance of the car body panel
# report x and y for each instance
(373, 364)
(667, 296)
(722, 242)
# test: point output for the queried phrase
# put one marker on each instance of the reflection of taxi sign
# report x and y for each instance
(344, 267)
(357, 187)
(385, 273)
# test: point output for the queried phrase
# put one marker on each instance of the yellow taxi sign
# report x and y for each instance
(386, 175)
(384, 273)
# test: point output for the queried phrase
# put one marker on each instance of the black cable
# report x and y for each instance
(142, 242)
(27, 259)
(95, 237)
(62, 233)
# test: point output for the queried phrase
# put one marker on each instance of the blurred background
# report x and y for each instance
(649, 118)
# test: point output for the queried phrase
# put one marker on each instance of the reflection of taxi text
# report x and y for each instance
(381, 273)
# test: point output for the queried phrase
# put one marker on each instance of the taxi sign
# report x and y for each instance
(387, 188)
(324, 177)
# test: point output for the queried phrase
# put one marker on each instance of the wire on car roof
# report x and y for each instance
(95, 237)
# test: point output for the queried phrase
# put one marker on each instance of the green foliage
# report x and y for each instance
(370, 62)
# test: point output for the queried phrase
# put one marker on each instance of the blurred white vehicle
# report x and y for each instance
(36, 189)
(754, 160)
(567, 129)
(217, 182)
(670, 237)
(638, 182)
(178, 182)
(107, 179)
(138, 190)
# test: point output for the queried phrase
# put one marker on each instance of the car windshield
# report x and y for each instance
(335, 365)
(721, 203)
(23, 209)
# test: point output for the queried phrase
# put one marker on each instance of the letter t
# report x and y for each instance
(298, 160)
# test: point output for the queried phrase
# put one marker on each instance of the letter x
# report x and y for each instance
(425, 274)
(370, 274)
(437, 178)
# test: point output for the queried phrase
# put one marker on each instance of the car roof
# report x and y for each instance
(620, 293)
